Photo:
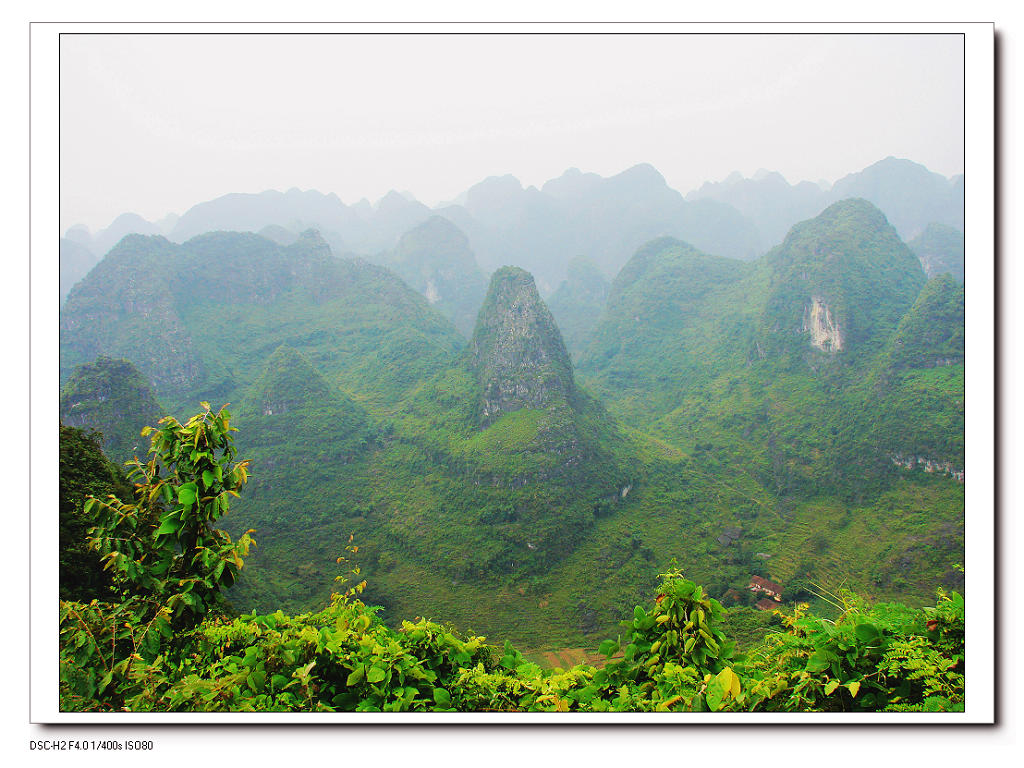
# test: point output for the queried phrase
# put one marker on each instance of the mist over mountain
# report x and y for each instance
(243, 212)
(125, 224)
(767, 199)
(75, 262)
(604, 219)
(791, 413)
(434, 258)
(187, 315)
(911, 197)
(941, 251)
(578, 301)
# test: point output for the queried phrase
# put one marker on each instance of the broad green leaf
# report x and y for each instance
(866, 632)
(356, 676)
(376, 674)
(187, 494)
(278, 682)
(817, 662)
(208, 478)
(442, 698)
(716, 692)
(256, 680)
(853, 688)
(830, 686)
(734, 688)
(168, 524)
(608, 647)
(105, 682)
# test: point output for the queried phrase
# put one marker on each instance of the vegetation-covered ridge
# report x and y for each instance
(201, 320)
(112, 397)
(166, 641)
(795, 418)
(434, 258)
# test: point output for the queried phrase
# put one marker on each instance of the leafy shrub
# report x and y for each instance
(167, 643)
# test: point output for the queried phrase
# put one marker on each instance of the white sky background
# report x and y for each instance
(153, 124)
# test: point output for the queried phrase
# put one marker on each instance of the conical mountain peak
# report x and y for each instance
(842, 280)
(289, 381)
(518, 353)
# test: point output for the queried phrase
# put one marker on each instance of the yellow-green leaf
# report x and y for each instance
(853, 688)
(735, 687)
(356, 676)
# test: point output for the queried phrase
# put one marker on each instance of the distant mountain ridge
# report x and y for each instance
(602, 218)
(941, 251)
(578, 302)
(200, 319)
(808, 402)
(911, 197)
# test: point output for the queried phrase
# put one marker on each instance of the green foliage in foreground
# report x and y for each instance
(672, 658)
(168, 561)
(84, 471)
(165, 642)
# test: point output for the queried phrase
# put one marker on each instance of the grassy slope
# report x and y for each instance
(484, 530)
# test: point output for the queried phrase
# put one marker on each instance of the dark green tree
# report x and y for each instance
(84, 472)
(165, 546)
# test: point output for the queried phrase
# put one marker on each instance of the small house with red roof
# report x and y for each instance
(770, 588)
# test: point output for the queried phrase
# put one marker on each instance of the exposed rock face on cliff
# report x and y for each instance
(825, 332)
(518, 353)
(840, 281)
(111, 396)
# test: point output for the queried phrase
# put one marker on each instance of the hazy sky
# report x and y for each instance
(156, 123)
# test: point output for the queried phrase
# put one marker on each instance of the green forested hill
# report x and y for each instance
(112, 397)
(489, 472)
(578, 302)
(917, 384)
(201, 319)
(740, 418)
(767, 380)
(649, 343)
(435, 259)
(941, 251)
(844, 278)
(84, 471)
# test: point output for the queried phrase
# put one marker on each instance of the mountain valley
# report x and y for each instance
(526, 405)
